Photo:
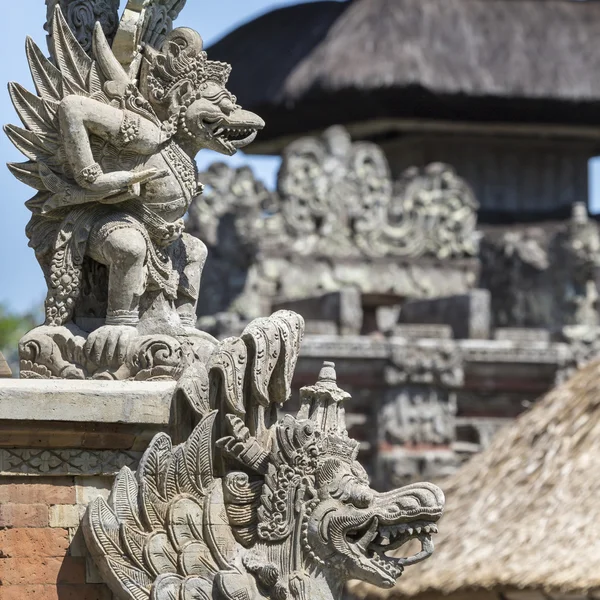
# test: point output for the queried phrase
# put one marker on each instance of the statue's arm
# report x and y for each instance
(79, 117)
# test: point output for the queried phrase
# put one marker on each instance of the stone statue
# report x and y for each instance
(251, 507)
(111, 154)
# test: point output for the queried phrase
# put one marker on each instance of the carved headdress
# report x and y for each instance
(181, 69)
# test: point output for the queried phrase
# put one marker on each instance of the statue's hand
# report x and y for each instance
(121, 180)
(107, 346)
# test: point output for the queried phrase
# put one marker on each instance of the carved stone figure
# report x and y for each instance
(415, 415)
(252, 507)
(111, 154)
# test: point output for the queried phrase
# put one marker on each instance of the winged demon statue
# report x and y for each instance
(111, 154)
(273, 509)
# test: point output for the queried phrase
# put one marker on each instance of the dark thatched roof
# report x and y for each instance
(519, 61)
(524, 513)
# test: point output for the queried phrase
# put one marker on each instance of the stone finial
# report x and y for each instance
(322, 402)
(327, 374)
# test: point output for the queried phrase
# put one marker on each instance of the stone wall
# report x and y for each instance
(61, 444)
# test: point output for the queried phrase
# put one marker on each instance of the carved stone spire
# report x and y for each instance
(322, 402)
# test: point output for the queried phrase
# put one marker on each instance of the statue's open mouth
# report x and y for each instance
(232, 136)
(375, 540)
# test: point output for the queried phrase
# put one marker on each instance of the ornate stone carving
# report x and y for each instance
(251, 506)
(52, 461)
(431, 362)
(82, 16)
(335, 209)
(418, 415)
(144, 22)
(335, 198)
(111, 155)
(544, 276)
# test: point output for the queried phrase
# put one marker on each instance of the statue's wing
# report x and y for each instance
(73, 72)
(151, 536)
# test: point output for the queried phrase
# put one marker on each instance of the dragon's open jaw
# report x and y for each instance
(233, 136)
(373, 540)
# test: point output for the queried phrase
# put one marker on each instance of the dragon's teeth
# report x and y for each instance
(410, 531)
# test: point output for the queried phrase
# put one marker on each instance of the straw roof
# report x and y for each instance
(525, 513)
(316, 64)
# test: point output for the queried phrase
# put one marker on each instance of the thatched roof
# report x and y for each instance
(525, 513)
(312, 65)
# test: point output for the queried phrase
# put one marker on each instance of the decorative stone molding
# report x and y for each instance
(416, 415)
(336, 212)
(431, 362)
(69, 461)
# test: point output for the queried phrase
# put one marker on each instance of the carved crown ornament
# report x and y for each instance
(249, 506)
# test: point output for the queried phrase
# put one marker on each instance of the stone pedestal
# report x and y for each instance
(61, 444)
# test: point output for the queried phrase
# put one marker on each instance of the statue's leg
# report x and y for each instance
(123, 251)
(189, 257)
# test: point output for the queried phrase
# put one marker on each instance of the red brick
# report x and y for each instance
(23, 515)
(41, 570)
(26, 542)
(34, 490)
(53, 592)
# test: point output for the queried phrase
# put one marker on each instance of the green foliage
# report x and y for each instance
(13, 326)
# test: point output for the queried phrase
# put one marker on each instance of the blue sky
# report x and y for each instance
(21, 282)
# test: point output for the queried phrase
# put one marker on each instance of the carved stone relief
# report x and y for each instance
(417, 415)
(251, 506)
(336, 212)
(41, 461)
(544, 276)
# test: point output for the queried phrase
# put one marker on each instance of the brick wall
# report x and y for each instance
(42, 551)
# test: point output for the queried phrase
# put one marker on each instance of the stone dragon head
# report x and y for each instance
(273, 508)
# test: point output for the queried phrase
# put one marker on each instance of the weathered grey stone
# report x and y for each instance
(85, 401)
(111, 154)
(468, 314)
(417, 415)
(544, 275)
(419, 331)
(401, 465)
(342, 309)
(522, 334)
